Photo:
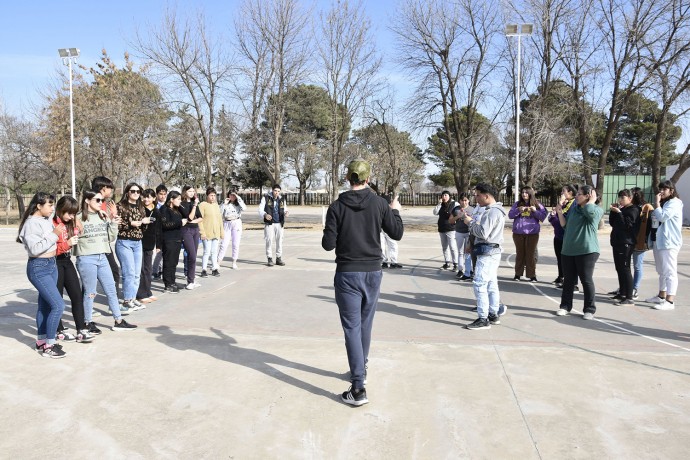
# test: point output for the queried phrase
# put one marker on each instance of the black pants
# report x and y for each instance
(116, 273)
(171, 255)
(144, 291)
(69, 279)
(557, 248)
(581, 266)
(622, 259)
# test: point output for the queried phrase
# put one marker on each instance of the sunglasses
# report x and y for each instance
(134, 191)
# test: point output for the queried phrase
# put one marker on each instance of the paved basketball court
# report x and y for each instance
(251, 366)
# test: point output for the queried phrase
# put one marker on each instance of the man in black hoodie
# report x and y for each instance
(353, 226)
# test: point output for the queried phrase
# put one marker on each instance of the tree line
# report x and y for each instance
(290, 91)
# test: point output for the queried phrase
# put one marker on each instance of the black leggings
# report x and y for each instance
(622, 257)
(581, 266)
(69, 280)
(171, 255)
(557, 248)
(144, 291)
(116, 272)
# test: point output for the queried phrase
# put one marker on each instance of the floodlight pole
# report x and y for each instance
(68, 55)
(512, 31)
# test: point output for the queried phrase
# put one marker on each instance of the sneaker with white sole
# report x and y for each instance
(664, 305)
(65, 335)
(493, 319)
(562, 312)
(479, 323)
(502, 309)
(123, 326)
(84, 336)
(54, 351)
(355, 397)
(588, 315)
(635, 295)
(234, 266)
(655, 299)
(131, 305)
(191, 286)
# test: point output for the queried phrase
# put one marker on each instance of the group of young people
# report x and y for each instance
(141, 223)
(636, 227)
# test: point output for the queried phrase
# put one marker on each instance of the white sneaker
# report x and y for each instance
(655, 299)
(664, 305)
(562, 312)
(96, 314)
(588, 315)
(191, 286)
(234, 266)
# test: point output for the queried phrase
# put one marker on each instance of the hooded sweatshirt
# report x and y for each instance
(670, 218)
(353, 228)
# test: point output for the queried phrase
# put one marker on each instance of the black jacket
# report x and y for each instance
(624, 225)
(171, 223)
(353, 228)
(152, 232)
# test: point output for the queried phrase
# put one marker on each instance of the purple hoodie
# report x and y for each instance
(528, 222)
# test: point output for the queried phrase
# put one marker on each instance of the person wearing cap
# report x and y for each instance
(353, 226)
(446, 230)
(273, 211)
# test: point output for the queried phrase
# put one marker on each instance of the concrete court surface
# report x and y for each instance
(250, 366)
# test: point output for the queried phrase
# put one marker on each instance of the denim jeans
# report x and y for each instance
(485, 284)
(210, 250)
(43, 274)
(357, 294)
(190, 241)
(92, 269)
(129, 253)
(638, 262)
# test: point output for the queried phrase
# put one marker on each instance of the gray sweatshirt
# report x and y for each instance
(97, 236)
(37, 236)
(489, 227)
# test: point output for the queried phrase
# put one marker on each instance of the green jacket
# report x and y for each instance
(581, 226)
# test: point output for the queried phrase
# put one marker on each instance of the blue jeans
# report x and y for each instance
(43, 274)
(92, 269)
(129, 253)
(485, 284)
(357, 294)
(210, 250)
(638, 262)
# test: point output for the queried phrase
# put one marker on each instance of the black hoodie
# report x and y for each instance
(353, 228)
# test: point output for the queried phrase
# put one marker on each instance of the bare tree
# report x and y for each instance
(273, 43)
(448, 49)
(187, 55)
(349, 65)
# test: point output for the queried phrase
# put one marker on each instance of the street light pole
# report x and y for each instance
(69, 55)
(512, 31)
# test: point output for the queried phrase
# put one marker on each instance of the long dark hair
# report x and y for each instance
(124, 201)
(40, 198)
(572, 188)
(168, 200)
(638, 197)
(88, 195)
(531, 201)
(669, 185)
(67, 205)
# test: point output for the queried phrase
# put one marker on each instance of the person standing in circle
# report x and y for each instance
(566, 200)
(623, 220)
(446, 231)
(273, 210)
(527, 214)
(190, 233)
(231, 210)
(580, 249)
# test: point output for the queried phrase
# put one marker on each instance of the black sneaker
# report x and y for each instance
(517, 278)
(279, 261)
(493, 319)
(533, 279)
(465, 278)
(215, 272)
(55, 351)
(384, 265)
(123, 326)
(355, 397)
(270, 262)
(479, 323)
(157, 276)
(618, 298)
(614, 293)
(396, 266)
(203, 274)
(558, 281)
(93, 329)
(172, 288)
(624, 303)
(459, 274)
(455, 267)
(446, 266)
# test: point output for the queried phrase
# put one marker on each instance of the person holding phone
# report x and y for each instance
(623, 218)
(668, 213)
(190, 233)
(150, 243)
(171, 225)
(566, 200)
(580, 249)
(527, 214)
(446, 231)
(231, 210)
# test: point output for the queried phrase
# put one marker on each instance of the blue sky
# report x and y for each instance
(32, 31)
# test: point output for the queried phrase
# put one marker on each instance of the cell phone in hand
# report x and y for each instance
(152, 219)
